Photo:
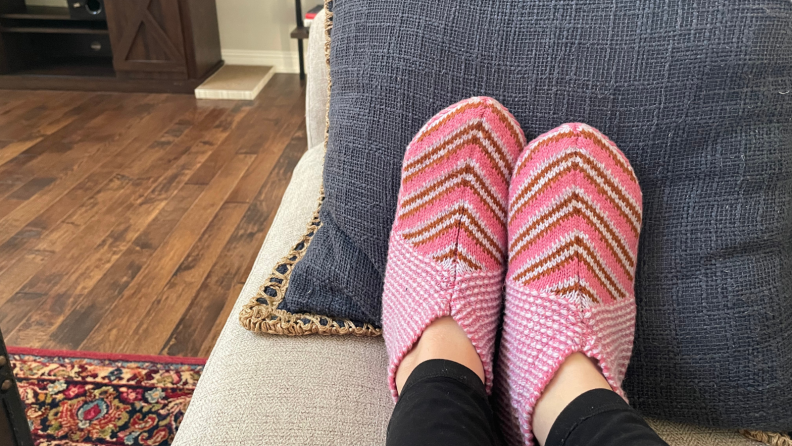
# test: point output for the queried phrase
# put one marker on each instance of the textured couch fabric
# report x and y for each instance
(697, 94)
(264, 390)
(275, 390)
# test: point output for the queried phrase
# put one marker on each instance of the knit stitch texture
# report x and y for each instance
(574, 221)
(447, 252)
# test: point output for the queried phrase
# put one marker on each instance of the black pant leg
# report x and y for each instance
(601, 417)
(442, 403)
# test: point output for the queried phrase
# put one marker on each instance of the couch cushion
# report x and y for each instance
(696, 95)
(316, 83)
(262, 390)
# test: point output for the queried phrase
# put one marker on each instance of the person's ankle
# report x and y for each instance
(577, 375)
(442, 339)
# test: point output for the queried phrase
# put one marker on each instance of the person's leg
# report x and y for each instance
(443, 285)
(442, 339)
(576, 376)
(574, 220)
(447, 248)
(579, 408)
(442, 398)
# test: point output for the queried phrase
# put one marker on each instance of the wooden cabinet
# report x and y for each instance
(147, 37)
(155, 45)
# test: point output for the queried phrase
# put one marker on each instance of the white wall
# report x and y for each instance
(252, 32)
(256, 32)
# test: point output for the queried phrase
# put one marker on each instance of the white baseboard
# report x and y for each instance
(55, 3)
(283, 61)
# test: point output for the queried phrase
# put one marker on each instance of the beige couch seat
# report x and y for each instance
(262, 390)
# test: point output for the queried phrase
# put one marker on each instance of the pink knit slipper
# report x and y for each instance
(447, 252)
(574, 220)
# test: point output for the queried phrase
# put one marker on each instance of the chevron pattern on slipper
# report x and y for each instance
(574, 220)
(447, 251)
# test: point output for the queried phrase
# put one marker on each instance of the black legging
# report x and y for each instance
(444, 403)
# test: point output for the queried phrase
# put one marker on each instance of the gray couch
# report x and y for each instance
(262, 390)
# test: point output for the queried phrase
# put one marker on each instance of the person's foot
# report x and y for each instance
(447, 251)
(574, 219)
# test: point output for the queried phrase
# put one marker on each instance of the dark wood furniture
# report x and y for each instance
(141, 46)
(14, 430)
(300, 33)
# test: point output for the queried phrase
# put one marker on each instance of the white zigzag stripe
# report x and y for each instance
(445, 222)
(617, 155)
(449, 184)
(563, 129)
(598, 218)
(460, 138)
(578, 298)
(552, 257)
(439, 117)
(634, 220)
(447, 263)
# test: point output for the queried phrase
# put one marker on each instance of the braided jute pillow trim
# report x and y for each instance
(771, 438)
(261, 314)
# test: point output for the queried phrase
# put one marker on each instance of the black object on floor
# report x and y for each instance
(14, 430)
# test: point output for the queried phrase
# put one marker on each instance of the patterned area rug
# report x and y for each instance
(87, 399)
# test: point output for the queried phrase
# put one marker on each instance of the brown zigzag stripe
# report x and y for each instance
(478, 187)
(456, 215)
(604, 145)
(588, 134)
(495, 109)
(578, 161)
(459, 256)
(576, 242)
(471, 131)
(555, 138)
(578, 288)
(613, 243)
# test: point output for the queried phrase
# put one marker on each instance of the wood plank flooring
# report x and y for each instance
(129, 222)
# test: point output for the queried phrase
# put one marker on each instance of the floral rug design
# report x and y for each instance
(91, 399)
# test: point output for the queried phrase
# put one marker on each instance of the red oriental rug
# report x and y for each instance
(89, 399)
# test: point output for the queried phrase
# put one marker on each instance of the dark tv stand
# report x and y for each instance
(14, 430)
(157, 46)
(300, 33)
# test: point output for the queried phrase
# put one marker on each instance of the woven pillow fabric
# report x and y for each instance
(698, 95)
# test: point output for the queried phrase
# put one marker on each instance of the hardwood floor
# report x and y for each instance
(129, 222)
